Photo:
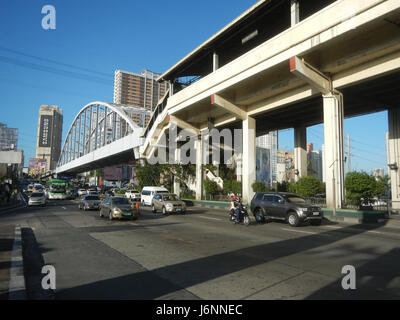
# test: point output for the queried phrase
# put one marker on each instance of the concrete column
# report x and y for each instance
(300, 152)
(249, 159)
(294, 12)
(334, 149)
(177, 184)
(215, 61)
(199, 168)
(393, 146)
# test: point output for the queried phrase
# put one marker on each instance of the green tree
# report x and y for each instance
(259, 186)
(308, 186)
(360, 188)
(210, 187)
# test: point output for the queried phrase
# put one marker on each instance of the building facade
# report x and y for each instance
(8, 138)
(138, 90)
(270, 142)
(49, 134)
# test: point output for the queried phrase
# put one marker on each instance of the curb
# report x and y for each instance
(16, 290)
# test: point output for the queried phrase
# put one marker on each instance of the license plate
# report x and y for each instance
(178, 210)
(316, 213)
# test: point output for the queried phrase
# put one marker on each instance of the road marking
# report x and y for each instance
(64, 208)
(300, 231)
(353, 229)
(209, 218)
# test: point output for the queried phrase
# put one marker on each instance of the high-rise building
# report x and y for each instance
(48, 146)
(138, 90)
(270, 142)
(380, 172)
(8, 138)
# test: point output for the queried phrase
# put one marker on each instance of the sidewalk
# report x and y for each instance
(19, 202)
(12, 281)
(6, 247)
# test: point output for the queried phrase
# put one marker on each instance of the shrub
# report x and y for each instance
(308, 186)
(360, 188)
(259, 186)
(210, 187)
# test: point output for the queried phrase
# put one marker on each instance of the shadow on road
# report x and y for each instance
(153, 284)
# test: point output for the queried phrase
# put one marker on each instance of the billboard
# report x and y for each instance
(113, 173)
(37, 166)
(263, 166)
(45, 130)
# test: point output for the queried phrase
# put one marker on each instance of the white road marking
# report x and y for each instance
(300, 231)
(64, 208)
(209, 218)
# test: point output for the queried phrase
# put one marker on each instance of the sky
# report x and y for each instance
(75, 63)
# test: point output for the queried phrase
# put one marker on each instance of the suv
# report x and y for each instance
(285, 206)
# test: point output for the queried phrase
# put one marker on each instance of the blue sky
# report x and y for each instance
(102, 36)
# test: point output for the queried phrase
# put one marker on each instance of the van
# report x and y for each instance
(149, 192)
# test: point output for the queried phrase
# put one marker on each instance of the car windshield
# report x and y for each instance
(37, 194)
(92, 198)
(120, 201)
(295, 199)
(170, 198)
(162, 191)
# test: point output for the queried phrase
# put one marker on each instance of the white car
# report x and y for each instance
(37, 199)
(82, 192)
(134, 195)
(149, 192)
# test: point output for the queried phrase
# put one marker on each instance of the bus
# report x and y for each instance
(57, 189)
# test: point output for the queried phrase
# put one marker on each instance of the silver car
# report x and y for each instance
(37, 199)
(118, 208)
(168, 202)
(90, 202)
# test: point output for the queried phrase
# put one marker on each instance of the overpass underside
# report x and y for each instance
(343, 61)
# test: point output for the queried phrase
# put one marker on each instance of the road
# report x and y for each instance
(201, 255)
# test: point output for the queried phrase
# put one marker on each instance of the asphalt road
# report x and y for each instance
(201, 255)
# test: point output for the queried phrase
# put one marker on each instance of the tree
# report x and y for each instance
(210, 187)
(360, 188)
(308, 186)
(259, 186)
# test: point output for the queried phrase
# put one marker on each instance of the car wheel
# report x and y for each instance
(100, 214)
(293, 219)
(246, 220)
(153, 209)
(110, 216)
(315, 222)
(164, 211)
(258, 215)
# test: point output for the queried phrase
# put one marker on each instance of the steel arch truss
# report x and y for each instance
(99, 124)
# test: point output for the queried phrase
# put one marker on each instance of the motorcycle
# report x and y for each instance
(243, 216)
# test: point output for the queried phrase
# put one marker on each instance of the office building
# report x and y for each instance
(8, 138)
(138, 90)
(48, 146)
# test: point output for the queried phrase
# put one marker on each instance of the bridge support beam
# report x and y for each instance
(199, 168)
(334, 149)
(248, 159)
(300, 152)
(394, 156)
(177, 183)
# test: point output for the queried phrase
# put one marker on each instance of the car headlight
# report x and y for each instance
(117, 210)
(169, 206)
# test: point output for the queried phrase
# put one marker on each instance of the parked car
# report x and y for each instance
(37, 199)
(118, 208)
(133, 195)
(285, 206)
(90, 202)
(72, 193)
(149, 192)
(167, 202)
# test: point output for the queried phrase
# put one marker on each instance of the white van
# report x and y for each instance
(149, 192)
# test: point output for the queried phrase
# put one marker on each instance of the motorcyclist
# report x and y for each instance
(235, 206)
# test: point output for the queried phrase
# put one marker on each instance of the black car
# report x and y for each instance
(286, 207)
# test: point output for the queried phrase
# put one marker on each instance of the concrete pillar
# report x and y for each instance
(294, 12)
(177, 184)
(334, 149)
(393, 146)
(300, 152)
(215, 61)
(199, 168)
(249, 159)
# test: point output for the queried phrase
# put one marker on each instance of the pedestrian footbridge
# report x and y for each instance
(102, 134)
